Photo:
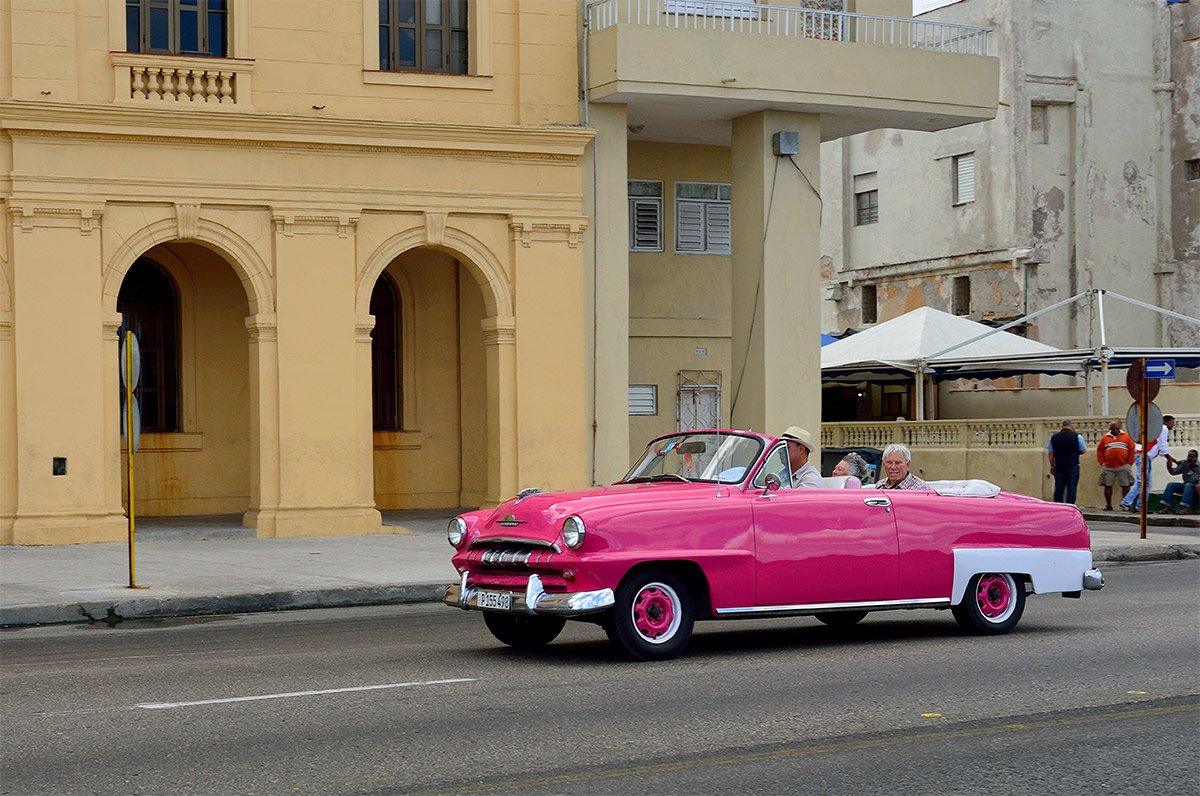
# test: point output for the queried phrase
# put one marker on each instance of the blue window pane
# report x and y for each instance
(133, 29)
(216, 5)
(216, 34)
(384, 10)
(189, 31)
(160, 21)
(189, 3)
(385, 62)
(433, 49)
(458, 13)
(406, 11)
(407, 48)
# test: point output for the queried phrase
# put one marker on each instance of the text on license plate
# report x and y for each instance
(495, 599)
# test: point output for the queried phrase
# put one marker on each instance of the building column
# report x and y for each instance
(551, 359)
(8, 426)
(62, 369)
(775, 353)
(607, 287)
(321, 450)
(264, 423)
(500, 351)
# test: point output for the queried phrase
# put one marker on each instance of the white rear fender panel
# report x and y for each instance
(1049, 570)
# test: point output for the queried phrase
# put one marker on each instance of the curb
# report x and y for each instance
(113, 613)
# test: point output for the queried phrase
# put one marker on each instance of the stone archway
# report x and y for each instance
(484, 355)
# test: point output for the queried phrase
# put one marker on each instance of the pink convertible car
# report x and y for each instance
(705, 527)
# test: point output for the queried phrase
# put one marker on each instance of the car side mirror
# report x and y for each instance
(773, 483)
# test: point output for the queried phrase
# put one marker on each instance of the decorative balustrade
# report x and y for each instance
(1009, 434)
(212, 82)
(811, 20)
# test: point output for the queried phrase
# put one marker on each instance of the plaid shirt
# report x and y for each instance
(910, 482)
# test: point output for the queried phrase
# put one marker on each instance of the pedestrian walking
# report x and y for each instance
(1064, 450)
(1157, 448)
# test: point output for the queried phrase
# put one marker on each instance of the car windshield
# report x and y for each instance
(708, 456)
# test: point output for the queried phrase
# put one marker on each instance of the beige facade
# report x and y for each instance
(681, 100)
(276, 187)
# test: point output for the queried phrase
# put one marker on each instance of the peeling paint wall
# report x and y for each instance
(1097, 118)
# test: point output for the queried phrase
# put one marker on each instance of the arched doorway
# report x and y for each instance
(188, 307)
(429, 384)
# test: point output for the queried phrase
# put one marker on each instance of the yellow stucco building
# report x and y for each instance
(378, 254)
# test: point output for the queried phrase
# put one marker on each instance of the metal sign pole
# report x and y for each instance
(129, 444)
(1143, 497)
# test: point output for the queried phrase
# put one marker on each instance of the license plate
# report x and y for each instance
(500, 600)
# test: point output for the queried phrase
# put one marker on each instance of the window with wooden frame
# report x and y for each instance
(149, 306)
(386, 383)
(177, 27)
(703, 218)
(423, 36)
(866, 198)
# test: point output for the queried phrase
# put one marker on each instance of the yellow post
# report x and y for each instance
(129, 443)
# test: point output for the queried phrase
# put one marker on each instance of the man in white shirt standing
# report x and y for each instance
(1133, 501)
(800, 447)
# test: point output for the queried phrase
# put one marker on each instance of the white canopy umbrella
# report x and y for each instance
(901, 346)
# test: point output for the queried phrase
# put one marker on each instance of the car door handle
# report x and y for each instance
(877, 501)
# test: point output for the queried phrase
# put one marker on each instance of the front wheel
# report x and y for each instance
(653, 616)
(992, 604)
(523, 632)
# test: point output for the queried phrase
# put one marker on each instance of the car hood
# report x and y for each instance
(540, 516)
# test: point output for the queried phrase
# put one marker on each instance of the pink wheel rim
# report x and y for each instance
(995, 597)
(656, 612)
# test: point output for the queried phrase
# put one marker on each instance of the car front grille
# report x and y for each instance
(510, 558)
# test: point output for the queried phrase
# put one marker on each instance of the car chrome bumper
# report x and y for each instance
(1093, 579)
(534, 600)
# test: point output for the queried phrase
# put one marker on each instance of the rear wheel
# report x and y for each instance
(992, 604)
(523, 631)
(653, 616)
(842, 618)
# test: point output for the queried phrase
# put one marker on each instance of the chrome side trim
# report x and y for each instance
(535, 600)
(816, 608)
(877, 501)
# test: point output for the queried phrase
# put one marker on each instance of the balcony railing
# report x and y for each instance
(213, 82)
(808, 22)
(990, 434)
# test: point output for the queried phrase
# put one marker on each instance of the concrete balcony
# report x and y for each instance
(686, 68)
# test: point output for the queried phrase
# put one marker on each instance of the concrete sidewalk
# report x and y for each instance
(190, 566)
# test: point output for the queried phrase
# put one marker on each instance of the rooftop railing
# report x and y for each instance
(807, 22)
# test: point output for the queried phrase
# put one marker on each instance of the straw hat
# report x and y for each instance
(801, 435)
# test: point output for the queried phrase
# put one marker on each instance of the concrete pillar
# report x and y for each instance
(500, 350)
(8, 422)
(264, 423)
(775, 353)
(323, 458)
(552, 433)
(60, 374)
(607, 285)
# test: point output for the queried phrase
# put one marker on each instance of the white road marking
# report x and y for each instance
(170, 705)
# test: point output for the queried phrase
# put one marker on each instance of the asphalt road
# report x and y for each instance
(1092, 696)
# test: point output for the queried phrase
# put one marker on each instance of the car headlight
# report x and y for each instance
(456, 531)
(573, 532)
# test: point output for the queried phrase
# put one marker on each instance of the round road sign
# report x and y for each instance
(1154, 422)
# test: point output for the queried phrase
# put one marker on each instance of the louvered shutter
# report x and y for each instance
(689, 227)
(645, 225)
(643, 399)
(719, 228)
(964, 178)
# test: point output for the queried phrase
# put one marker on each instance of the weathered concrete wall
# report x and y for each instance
(1070, 180)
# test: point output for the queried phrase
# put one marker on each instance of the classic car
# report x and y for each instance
(706, 526)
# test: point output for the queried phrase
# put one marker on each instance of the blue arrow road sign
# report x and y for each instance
(1160, 368)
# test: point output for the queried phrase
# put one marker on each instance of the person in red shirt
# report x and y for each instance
(1115, 454)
